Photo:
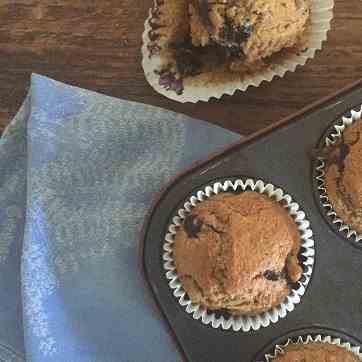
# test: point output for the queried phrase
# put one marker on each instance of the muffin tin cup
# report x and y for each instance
(244, 323)
(333, 135)
(202, 88)
(279, 348)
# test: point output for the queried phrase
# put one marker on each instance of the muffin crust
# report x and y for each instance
(258, 28)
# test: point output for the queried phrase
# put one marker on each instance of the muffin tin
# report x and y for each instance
(282, 155)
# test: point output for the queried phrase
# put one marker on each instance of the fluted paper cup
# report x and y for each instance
(279, 349)
(242, 322)
(333, 136)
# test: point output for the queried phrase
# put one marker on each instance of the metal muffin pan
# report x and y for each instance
(282, 155)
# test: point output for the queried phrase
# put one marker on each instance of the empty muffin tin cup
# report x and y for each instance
(303, 340)
(243, 323)
(334, 134)
(202, 87)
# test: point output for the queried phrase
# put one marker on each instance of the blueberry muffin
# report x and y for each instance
(238, 252)
(343, 176)
(316, 352)
(207, 42)
(254, 28)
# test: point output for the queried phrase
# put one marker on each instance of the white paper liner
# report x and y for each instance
(331, 139)
(244, 323)
(316, 33)
(279, 349)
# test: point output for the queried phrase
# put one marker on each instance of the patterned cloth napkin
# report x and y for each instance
(78, 172)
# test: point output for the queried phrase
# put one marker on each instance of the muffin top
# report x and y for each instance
(238, 252)
(316, 352)
(258, 28)
(343, 178)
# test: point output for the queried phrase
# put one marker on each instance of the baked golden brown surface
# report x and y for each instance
(343, 177)
(238, 252)
(258, 28)
(316, 352)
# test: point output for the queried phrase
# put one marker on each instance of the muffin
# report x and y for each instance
(194, 50)
(316, 352)
(343, 176)
(236, 35)
(254, 29)
(207, 42)
(238, 253)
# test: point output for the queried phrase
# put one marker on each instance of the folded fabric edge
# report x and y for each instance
(37, 79)
(10, 138)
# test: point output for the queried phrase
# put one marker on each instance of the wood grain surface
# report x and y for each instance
(96, 45)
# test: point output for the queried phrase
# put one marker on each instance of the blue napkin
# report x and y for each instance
(78, 172)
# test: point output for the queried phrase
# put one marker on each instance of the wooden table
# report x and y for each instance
(96, 45)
